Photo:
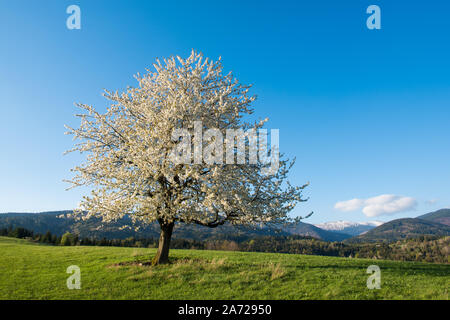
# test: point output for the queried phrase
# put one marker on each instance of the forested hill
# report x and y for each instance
(402, 229)
(440, 216)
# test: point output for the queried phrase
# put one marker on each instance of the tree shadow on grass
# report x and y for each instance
(145, 261)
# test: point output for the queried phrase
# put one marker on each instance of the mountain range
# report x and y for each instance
(57, 223)
(434, 223)
(350, 228)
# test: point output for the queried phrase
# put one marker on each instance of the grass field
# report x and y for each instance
(31, 271)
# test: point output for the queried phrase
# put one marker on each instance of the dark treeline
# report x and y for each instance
(425, 248)
(69, 239)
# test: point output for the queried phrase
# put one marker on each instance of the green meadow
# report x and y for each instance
(34, 271)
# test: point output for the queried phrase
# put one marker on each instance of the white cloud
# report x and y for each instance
(349, 205)
(432, 201)
(385, 204)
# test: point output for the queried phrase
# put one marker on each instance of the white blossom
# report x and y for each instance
(127, 152)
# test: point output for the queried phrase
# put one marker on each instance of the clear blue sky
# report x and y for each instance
(366, 112)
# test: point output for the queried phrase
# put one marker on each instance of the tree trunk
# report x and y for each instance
(162, 256)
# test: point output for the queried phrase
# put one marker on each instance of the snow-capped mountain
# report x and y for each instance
(348, 227)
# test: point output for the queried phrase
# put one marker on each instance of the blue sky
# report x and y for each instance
(365, 112)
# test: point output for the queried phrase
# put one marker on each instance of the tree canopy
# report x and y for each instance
(131, 150)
